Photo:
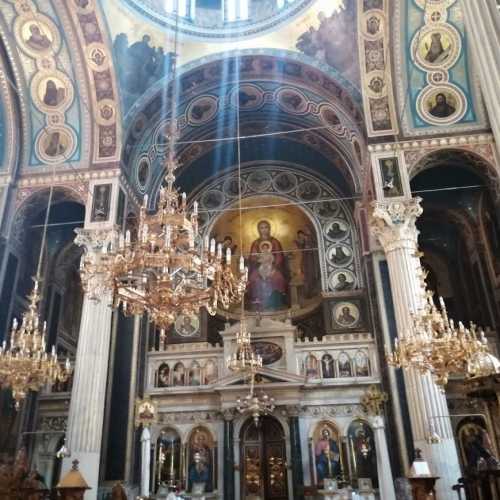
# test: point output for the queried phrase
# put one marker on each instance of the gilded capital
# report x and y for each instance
(393, 222)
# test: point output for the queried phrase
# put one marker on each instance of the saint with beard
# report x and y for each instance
(441, 109)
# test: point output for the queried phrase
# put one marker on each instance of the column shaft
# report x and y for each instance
(297, 473)
(482, 21)
(385, 480)
(228, 460)
(145, 462)
(86, 413)
(394, 225)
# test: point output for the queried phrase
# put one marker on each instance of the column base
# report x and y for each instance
(88, 465)
(443, 461)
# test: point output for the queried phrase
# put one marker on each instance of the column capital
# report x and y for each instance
(292, 410)
(393, 222)
(93, 240)
(96, 283)
(229, 414)
(377, 421)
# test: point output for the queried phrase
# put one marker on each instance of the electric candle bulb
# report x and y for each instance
(228, 256)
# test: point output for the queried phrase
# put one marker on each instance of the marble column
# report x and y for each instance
(145, 461)
(482, 21)
(297, 473)
(393, 223)
(385, 480)
(229, 491)
(86, 411)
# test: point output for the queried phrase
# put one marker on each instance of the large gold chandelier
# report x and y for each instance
(436, 345)
(24, 363)
(168, 269)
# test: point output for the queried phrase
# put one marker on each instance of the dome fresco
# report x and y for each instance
(218, 20)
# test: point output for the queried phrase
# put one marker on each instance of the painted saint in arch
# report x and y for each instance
(267, 271)
(327, 454)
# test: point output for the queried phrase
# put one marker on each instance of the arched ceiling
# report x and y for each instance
(274, 95)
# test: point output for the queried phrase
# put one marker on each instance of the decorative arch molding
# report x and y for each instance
(256, 62)
(95, 43)
(319, 213)
(420, 155)
(197, 76)
(59, 126)
(30, 200)
(10, 122)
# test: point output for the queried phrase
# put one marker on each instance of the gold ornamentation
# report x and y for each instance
(373, 400)
(25, 364)
(435, 345)
(146, 412)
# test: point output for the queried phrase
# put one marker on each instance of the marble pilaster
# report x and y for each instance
(86, 412)
(482, 21)
(296, 458)
(393, 223)
(385, 480)
(229, 489)
(145, 461)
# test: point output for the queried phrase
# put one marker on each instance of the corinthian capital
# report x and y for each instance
(95, 267)
(94, 240)
(393, 222)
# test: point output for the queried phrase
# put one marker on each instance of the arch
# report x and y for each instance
(311, 366)
(327, 366)
(363, 451)
(326, 452)
(162, 378)
(362, 366)
(195, 374)
(210, 372)
(344, 365)
(321, 215)
(476, 161)
(179, 374)
(318, 101)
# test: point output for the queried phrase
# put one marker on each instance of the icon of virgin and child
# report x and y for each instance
(270, 268)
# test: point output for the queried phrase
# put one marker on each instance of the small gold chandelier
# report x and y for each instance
(438, 346)
(256, 405)
(244, 358)
(24, 363)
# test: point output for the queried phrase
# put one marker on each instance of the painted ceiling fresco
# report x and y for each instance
(50, 78)
(438, 91)
(317, 33)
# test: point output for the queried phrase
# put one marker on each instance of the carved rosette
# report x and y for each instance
(393, 223)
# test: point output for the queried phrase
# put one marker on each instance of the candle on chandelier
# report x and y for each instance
(212, 246)
(127, 237)
(228, 256)
(195, 208)
(219, 250)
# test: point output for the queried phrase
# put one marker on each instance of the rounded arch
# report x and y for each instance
(273, 93)
(475, 161)
(30, 202)
(320, 210)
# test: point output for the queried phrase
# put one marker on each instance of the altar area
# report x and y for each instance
(318, 435)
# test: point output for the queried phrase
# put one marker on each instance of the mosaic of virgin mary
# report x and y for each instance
(268, 276)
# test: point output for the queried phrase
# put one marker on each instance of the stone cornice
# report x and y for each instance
(442, 142)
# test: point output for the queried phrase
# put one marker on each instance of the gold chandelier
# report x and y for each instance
(25, 364)
(244, 358)
(169, 269)
(436, 345)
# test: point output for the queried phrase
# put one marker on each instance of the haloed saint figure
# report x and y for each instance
(268, 276)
